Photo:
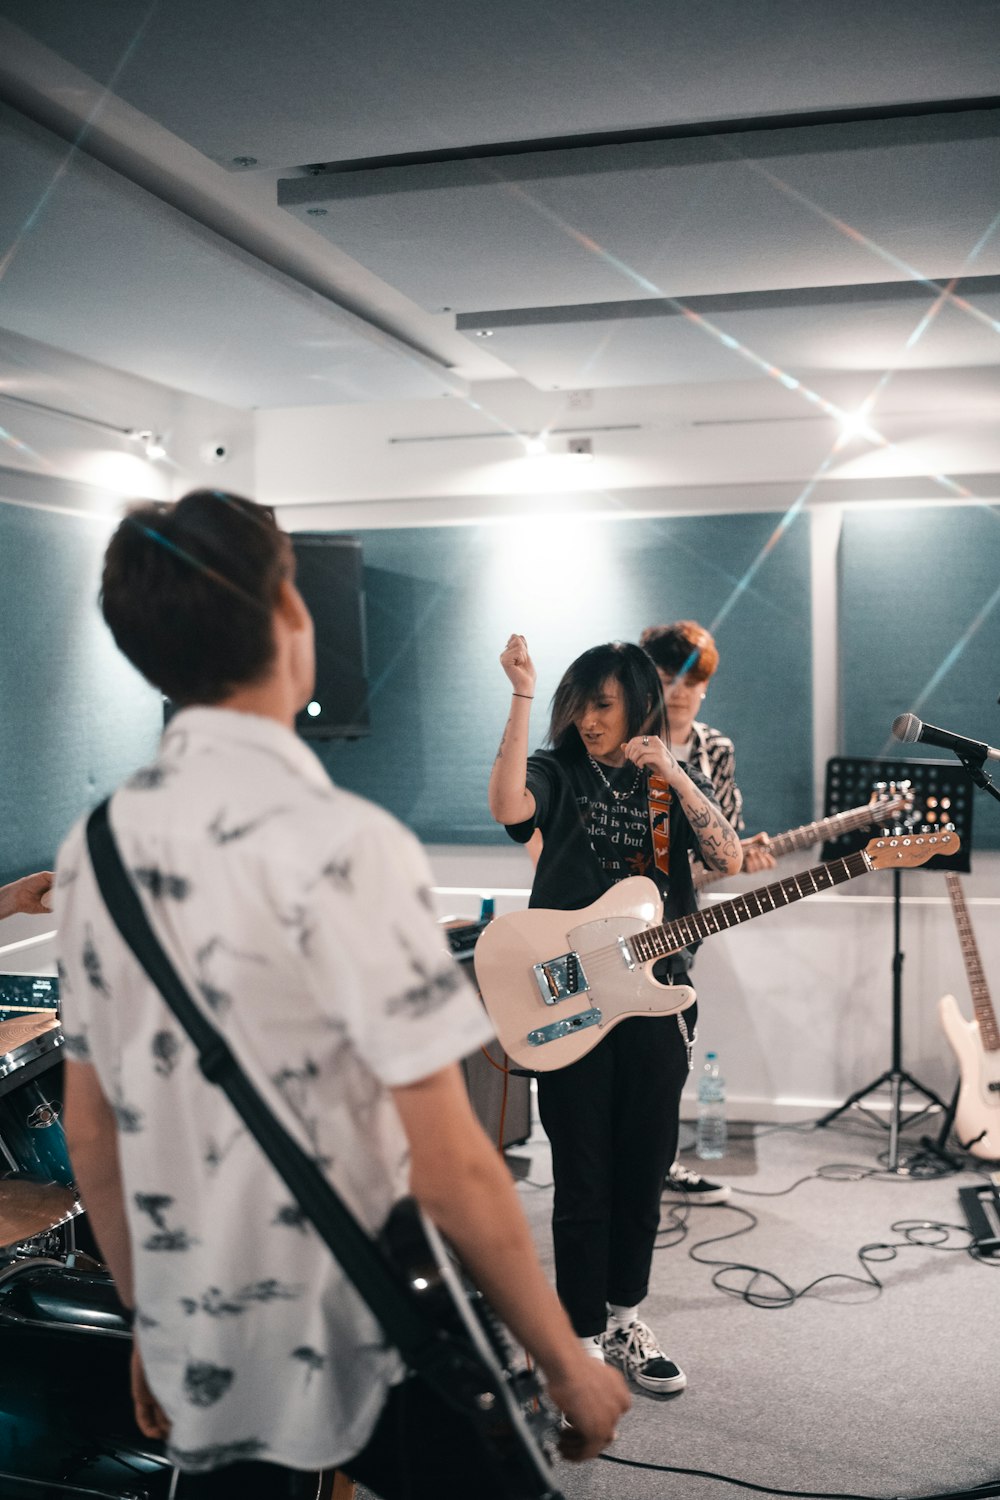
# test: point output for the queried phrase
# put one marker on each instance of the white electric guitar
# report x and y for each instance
(976, 1045)
(556, 982)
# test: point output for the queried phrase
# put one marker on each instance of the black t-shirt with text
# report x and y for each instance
(592, 839)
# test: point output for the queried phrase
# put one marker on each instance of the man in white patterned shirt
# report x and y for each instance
(298, 916)
(685, 657)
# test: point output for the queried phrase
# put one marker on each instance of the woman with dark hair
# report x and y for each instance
(598, 796)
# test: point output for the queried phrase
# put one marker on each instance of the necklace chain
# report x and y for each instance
(617, 795)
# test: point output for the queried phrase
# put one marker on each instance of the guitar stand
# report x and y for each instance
(895, 1076)
(939, 1147)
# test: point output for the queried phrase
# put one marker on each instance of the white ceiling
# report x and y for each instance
(314, 205)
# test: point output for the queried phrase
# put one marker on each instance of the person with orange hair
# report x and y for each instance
(685, 656)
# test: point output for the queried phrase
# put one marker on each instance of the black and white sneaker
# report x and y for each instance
(681, 1185)
(635, 1351)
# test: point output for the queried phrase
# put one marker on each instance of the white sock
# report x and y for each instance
(621, 1317)
(592, 1346)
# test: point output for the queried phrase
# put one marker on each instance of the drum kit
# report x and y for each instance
(66, 1422)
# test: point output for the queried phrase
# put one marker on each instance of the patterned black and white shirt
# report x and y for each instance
(299, 917)
(713, 753)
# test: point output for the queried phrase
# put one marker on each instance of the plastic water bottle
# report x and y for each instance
(711, 1143)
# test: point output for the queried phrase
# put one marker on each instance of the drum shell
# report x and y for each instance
(31, 1107)
(66, 1419)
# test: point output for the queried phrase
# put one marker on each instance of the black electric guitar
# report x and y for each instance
(976, 1044)
(556, 982)
(476, 1374)
(887, 800)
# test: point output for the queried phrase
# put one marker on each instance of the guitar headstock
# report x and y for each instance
(902, 851)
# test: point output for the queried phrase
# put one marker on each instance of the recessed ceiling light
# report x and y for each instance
(484, 333)
(854, 423)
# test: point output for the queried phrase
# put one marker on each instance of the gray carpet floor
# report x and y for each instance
(852, 1389)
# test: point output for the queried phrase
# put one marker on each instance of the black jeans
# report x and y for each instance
(612, 1119)
(420, 1450)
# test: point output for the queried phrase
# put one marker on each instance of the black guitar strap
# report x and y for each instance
(419, 1341)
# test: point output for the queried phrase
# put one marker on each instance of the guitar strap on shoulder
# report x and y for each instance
(659, 797)
(405, 1324)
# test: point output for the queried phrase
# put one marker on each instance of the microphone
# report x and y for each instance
(909, 729)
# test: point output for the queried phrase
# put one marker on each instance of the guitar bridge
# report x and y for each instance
(561, 978)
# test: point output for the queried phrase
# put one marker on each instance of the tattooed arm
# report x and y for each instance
(509, 798)
(718, 841)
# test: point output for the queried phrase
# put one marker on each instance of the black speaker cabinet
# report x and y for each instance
(329, 575)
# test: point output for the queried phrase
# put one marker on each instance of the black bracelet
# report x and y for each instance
(529, 696)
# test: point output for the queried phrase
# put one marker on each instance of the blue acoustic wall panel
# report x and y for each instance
(920, 631)
(74, 716)
(442, 601)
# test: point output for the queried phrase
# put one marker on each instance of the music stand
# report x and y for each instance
(942, 798)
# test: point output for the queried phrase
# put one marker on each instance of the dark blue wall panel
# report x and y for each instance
(74, 716)
(920, 631)
(441, 602)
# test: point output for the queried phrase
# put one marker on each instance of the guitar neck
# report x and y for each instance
(834, 826)
(981, 1002)
(824, 828)
(658, 942)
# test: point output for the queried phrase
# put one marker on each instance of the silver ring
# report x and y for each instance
(645, 739)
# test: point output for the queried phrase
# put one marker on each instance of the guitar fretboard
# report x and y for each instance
(872, 814)
(831, 828)
(658, 942)
(989, 1034)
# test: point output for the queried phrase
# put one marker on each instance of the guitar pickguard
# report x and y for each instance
(554, 990)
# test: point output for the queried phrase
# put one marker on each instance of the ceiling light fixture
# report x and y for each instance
(72, 416)
(855, 424)
(506, 434)
(152, 444)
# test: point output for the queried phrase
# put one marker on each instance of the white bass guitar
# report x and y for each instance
(975, 1043)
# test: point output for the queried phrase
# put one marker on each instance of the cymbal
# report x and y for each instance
(28, 1208)
(21, 1029)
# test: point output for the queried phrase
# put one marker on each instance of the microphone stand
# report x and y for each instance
(974, 764)
(895, 1075)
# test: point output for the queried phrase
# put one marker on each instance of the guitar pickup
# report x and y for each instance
(557, 1029)
(561, 978)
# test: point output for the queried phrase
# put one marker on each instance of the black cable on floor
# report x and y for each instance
(978, 1492)
(750, 1290)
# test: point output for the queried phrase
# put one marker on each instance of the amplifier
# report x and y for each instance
(485, 1079)
(21, 993)
(463, 937)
